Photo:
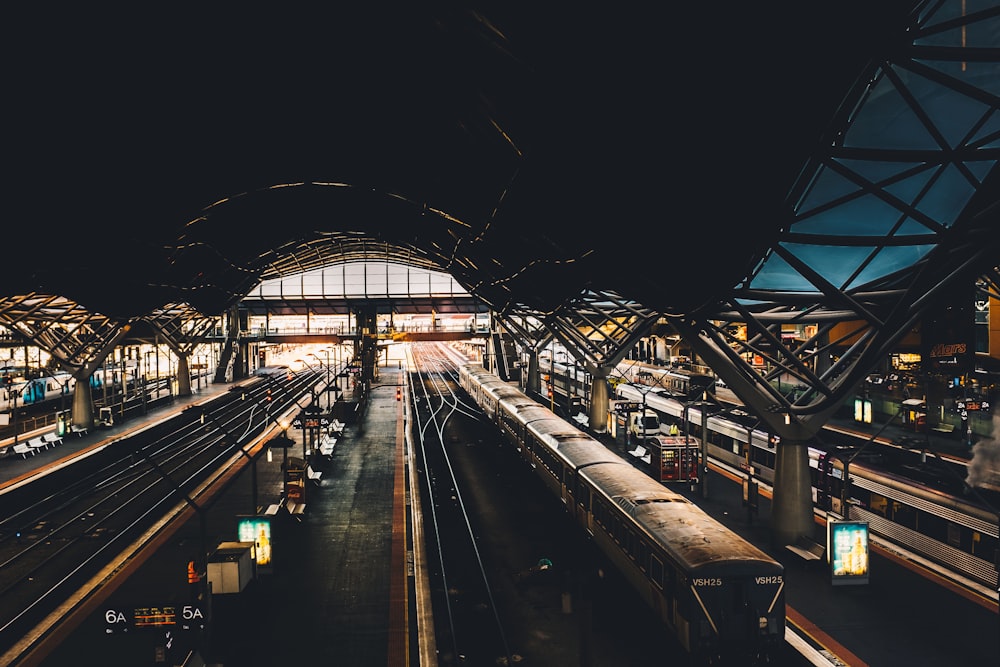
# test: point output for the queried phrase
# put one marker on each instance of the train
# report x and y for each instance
(37, 390)
(719, 595)
(919, 509)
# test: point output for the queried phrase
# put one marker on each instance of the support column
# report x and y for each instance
(83, 405)
(534, 379)
(367, 326)
(791, 507)
(599, 400)
(183, 375)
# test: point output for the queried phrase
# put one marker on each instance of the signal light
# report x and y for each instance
(268, 396)
(193, 576)
(399, 394)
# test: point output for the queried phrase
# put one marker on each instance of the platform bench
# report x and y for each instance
(638, 452)
(79, 430)
(38, 444)
(24, 450)
(944, 428)
(52, 438)
(313, 475)
(296, 509)
(806, 549)
(272, 509)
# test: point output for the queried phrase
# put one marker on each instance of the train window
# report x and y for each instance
(600, 513)
(656, 571)
(643, 556)
(879, 504)
(619, 530)
(631, 544)
(954, 535)
(904, 515)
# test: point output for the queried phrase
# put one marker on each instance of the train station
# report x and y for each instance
(356, 378)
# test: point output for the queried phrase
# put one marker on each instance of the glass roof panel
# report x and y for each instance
(361, 280)
(947, 197)
(990, 128)
(876, 170)
(888, 260)
(944, 115)
(983, 32)
(953, 114)
(777, 274)
(835, 263)
(862, 216)
(909, 188)
(886, 121)
(828, 186)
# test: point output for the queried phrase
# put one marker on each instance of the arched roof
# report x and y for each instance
(534, 154)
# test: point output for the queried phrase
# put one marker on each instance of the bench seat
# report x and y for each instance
(296, 509)
(806, 549)
(52, 438)
(313, 475)
(38, 444)
(944, 428)
(24, 451)
(79, 430)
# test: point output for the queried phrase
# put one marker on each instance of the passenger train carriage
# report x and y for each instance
(722, 597)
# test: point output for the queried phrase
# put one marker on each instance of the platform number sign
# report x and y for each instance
(181, 617)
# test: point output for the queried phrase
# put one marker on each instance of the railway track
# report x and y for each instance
(470, 630)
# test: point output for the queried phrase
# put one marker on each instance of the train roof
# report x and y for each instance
(679, 526)
(579, 450)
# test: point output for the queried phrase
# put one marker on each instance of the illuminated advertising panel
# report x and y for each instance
(257, 529)
(847, 544)
(863, 410)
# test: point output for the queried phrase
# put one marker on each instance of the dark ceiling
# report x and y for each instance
(536, 150)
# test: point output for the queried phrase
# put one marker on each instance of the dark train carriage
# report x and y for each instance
(720, 595)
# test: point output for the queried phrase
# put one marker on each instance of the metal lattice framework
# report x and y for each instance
(890, 217)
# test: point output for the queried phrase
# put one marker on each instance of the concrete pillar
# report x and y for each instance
(599, 401)
(83, 405)
(183, 375)
(534, 383)
(791, 506)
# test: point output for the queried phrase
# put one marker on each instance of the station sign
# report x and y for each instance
(304, 420)
(170, 616)
(972, 405)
